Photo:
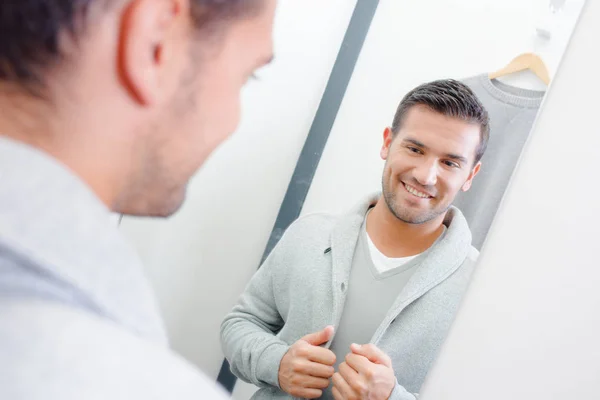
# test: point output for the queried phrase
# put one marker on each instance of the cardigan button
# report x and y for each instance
(343, 286)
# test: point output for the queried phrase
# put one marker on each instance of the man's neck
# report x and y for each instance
(31, 124)
(396, 238)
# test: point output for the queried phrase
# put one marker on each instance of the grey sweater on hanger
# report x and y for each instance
(512, 113)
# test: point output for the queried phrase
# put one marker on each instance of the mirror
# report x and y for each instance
(356, 267)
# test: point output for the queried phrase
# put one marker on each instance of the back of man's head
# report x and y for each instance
(131, 95)
(31, 30)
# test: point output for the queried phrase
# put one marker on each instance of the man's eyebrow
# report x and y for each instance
(452, 156)
(457, 157)
(415, 142)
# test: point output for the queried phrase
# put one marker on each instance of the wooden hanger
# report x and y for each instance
(529, 61)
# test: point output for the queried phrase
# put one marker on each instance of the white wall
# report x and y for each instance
(409, 43)
(200, 260)
(530, 324)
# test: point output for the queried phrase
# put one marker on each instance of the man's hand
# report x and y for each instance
(306, 368)
(366, 374)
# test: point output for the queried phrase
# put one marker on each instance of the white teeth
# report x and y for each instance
(416, 192)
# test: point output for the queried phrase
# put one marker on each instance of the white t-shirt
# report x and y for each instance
(384, 263)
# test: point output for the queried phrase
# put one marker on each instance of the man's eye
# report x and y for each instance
(415, 150)
(451, 164)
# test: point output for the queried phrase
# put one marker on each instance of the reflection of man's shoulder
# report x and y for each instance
(470, 262)
(314, 227)
(316, 221)
(462, 275)
(473, 254)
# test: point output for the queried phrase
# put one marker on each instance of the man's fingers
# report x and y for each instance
(358, 363)
(318, 338)
(336, 394)
(320, 355)
(372, 353)
(317, 369)
(308, 393)
(342, 386)
(312, 382)
(350, 376)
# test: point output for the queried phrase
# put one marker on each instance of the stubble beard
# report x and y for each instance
(403, 214)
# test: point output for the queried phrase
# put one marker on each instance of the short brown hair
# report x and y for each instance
(451, 98)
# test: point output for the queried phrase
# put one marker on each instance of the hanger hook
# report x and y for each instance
(556, 5)
(544, 28)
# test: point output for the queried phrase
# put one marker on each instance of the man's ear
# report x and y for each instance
(388, 136)
(146, 42)
(467, 185)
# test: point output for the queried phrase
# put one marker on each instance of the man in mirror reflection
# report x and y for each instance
(106, 106)
(356, 306)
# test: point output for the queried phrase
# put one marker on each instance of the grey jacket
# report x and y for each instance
(78, 319)
(300, 289)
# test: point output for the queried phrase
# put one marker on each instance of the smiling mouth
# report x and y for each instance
(416, 192)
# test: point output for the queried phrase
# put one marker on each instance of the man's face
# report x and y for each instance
(186, 124)
(427, 163)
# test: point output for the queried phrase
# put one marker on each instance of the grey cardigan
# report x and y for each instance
(300, 289)
(78, 319)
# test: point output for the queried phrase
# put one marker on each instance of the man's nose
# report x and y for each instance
(426, 173)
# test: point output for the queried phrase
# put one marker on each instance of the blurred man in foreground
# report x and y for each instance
(105, 106)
